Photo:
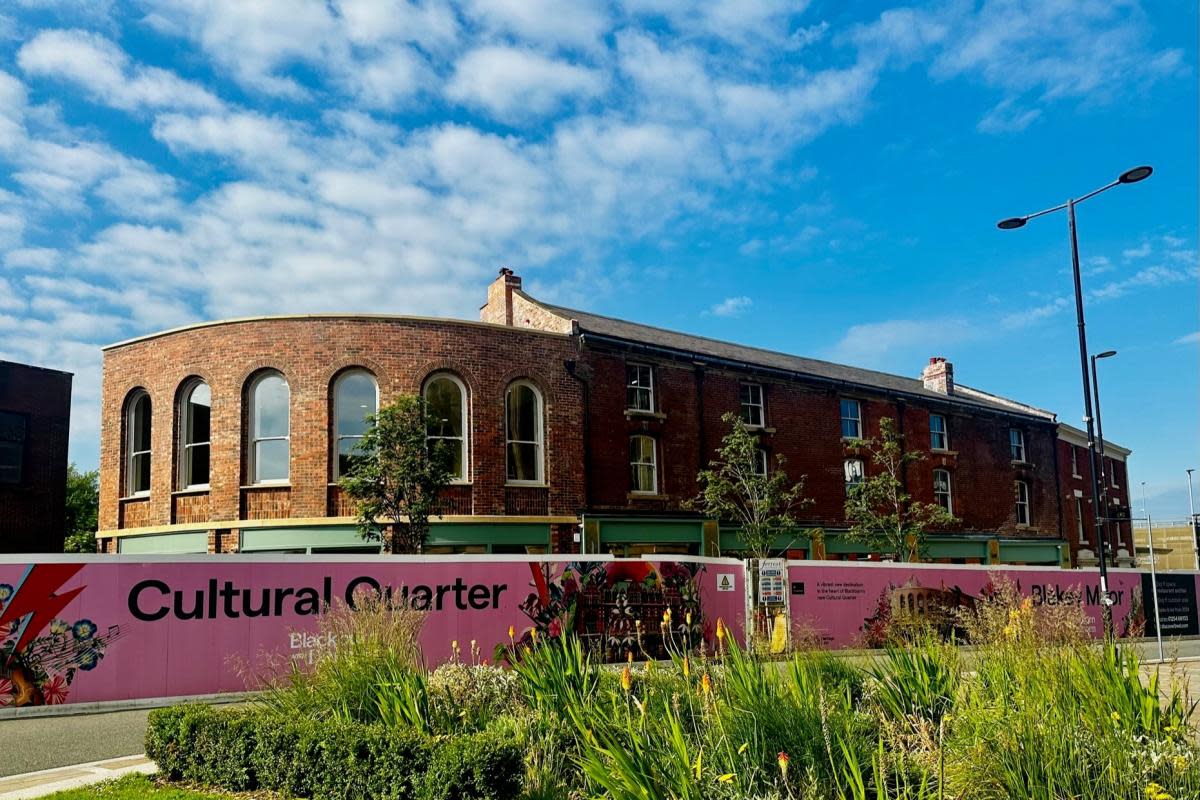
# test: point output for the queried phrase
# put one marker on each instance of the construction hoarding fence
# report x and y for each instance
(84, 629)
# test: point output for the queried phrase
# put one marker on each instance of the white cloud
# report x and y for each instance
(253, 141)
(543, 21)
(878, 344)
(1141, 251)
(1190, 338)
(1007, 117)
(102, 68)
(1148, 278)
(515, 83)
(731, 307)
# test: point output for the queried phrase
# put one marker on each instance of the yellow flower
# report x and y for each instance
(667, 617)
(512, 632)
(783, 764)
(533, 633)
(745, 746)
(697, 766)
(720, 630)
(706, 684)
(688, 618)
(626, 679)
(726, 778)
(1156, 792)
(629, 656)
(1115, 716)
(687, 667)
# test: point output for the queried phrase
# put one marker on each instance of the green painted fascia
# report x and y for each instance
(1030, 552)
(440, 535)
(476, 533)
(619, 531)
(289, 538)
(165, 544)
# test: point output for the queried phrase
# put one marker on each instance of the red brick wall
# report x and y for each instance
(803, 425)
(311, 352)
(1119, 534)
(32, 512)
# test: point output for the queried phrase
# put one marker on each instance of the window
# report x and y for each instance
(760, 461)
(523, 433)
(355, 396)
(643, 470)
(941, 489)
(1022, 503)
(1074, 461)
(752, 404)
(639, 387)
(12, 446)
(851, 419)
(195, 415)
(446, 420)
(853, 468)
(270, 401)
(939, 436)
(1112, 472)
(137, 464)
(1079, 521)
(1016, 444)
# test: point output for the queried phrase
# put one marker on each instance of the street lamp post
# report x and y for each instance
(1131, 176)
(1104, 480)
(1192, 526)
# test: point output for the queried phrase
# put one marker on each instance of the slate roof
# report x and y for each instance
(701, 345)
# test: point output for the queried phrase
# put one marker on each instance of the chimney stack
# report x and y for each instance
(499, 305)
(939, 376)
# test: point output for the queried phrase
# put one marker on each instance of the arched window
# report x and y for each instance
(269, 428)
(643, 466)
(355, 396)
(446, 420)
(523, 433)
(941, 489)
(195, 433)
(137, 447)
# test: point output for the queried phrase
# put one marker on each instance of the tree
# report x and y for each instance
(734, 488)
(883, 515)
(395, 476)
(83, 507)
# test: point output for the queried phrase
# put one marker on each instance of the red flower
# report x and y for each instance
(55, 691)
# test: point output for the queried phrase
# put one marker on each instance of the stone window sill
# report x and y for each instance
(138, 496)
(646, 496)
(632, 413)
(204, 489)
(280, 485)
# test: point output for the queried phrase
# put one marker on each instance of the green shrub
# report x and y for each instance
(204, 745)
(478, 766)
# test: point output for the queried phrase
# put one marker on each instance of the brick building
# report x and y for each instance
(607, 424)
(35, 421)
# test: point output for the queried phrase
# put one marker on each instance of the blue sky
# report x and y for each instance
(822, 178)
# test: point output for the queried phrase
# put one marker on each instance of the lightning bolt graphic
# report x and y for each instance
(34, 601)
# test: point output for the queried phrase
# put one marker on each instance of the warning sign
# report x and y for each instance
(725, 582)
(772, 572)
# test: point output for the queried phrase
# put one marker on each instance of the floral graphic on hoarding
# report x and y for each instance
(40, 652)
(614, 607)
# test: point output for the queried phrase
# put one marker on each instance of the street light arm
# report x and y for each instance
(1097, 191)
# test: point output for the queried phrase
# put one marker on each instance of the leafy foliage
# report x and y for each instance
(733, 489)
(884, 516)
(83, 507)
(397, 476)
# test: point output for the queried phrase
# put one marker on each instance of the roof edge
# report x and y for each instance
(323, 316)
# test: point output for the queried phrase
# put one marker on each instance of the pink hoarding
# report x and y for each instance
(848, 606)
(87, 629)
(92, 629)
